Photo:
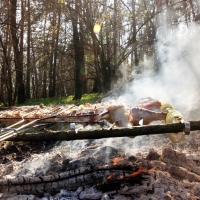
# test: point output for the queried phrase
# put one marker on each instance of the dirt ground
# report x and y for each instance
(18, 151)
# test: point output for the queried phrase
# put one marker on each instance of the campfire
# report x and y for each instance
(98, 172)
(108, 162)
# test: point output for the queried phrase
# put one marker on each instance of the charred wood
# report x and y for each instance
(70, 180)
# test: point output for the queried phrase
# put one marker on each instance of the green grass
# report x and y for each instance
(86, 98)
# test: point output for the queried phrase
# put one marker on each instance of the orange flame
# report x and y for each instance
(121, 177)
(115, 177)
(138, 172)
(118, 161)
(110, 176)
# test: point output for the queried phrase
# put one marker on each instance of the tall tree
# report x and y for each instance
(134, 29)
(18, 52)
(78, 50)
(28, 70)
(6, 89)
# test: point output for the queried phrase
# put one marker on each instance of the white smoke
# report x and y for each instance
(178, 80)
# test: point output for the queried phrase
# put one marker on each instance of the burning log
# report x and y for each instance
(71, 180)
(48, 135)
(171, 174)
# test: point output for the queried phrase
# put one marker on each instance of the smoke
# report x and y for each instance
(177, 82)
(178, 78)
(37, 166)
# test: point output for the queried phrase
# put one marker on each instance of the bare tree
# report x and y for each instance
(78, 41)
(18, 52)
(28, 70)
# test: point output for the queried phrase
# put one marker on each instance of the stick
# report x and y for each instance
(12, 133)
(106, 133)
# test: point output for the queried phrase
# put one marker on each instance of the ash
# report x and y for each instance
(173, 170)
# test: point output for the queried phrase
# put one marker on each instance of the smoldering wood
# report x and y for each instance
(48, 135)
(54, 183)
(168, 167)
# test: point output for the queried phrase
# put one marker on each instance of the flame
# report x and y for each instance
(109, 177)
(121, 177)
(141, 170)
(129, 177)
(118, 160)
(115, 177)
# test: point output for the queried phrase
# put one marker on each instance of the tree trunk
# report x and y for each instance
(6, 90)
(134, 34)
(28, 72)
(51, 70)
(18, 55)
(115, 64)
(79, 53)
(56, 52)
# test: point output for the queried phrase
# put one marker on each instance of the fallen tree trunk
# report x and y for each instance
(48, 135)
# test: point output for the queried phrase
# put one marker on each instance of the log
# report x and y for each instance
(104, 133)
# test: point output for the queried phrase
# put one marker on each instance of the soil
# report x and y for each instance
(18, 151)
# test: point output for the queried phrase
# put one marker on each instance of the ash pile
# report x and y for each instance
(105, 169)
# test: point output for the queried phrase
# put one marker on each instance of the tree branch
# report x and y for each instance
(49, 135)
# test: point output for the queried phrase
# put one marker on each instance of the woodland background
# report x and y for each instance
(49, 48)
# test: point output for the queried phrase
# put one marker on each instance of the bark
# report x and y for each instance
(49, 135)
(115, 42)
(6, 90)
(45, 73)
(28, 73)
(70, 180)
(51, 70)
(56, 53)
(6, 93)
(134, 35)
(79, 52)
(18, 54)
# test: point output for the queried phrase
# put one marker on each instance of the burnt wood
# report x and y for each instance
(70, 180)
(48, 135)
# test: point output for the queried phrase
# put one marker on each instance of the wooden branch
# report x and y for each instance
(105, 133)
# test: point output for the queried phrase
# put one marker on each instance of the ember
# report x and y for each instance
(170, 168)
(118, 161)
(140, 171)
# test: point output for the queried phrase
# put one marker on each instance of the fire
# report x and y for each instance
(127, 177)
(109, 177)
(115, 177)
(118, 160)
(141, 170)
(121, 177)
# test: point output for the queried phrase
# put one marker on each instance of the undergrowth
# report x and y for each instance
(86, 98)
